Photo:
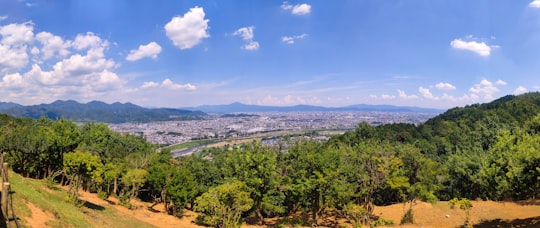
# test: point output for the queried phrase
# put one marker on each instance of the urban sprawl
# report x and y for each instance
(218, 126)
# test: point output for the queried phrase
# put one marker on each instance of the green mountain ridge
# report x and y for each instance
(96, 111)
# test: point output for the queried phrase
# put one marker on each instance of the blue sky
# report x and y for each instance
(426, 53)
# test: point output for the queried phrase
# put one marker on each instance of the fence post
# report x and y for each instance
(5, 192)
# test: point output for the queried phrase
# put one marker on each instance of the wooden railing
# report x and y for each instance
(6, 204)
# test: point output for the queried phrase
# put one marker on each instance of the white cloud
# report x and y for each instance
(149, 85)
(251, 46)
(500, 82)
(387, 97)
(484, 89)
(247, 35)
(426, 93)
(445, 86)
(17, 34)
(535, 4)
(52, 44)
(14, 42)
(403, 95)
(12, 81)
(3, 17)
(151, 50)
(479, 48)
(167, 83)
(188, 31)
(287, 100)
(87, 73)
(292, 39)
(300, 9)
(89, 41)
(12, 58)
(520, 90)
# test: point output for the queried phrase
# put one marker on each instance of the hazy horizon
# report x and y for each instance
(430, 54)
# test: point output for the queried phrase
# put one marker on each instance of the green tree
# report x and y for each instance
(223, 205)
(81, 166)
(133, 180)
(313, 176)
(465, 205)
(255, 165)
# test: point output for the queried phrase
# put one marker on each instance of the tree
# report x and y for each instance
(80, 166)
(422, 176)
(180, 189)
(313, 175)
(255, 165)
(224, 204)
(464, 204)
(369, 167)
(133, 180)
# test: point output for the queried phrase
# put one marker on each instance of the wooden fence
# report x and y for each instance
(6, 200)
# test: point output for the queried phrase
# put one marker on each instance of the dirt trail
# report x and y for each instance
(158, 218)
(39, 217)
(483, 214)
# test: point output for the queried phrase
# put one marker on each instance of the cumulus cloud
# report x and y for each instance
(387, 97)
(404, 95)
(151, 50)
(3, 17)
(52, 45)
(426, 93)
(500, 82)
(485, 89)
(14, 45)
(81, 71)
(169, 84)
(520, 90)
(300, 9)
(246, 33)
(287, 100)
(480, 48)
(445, 86)
(292, 39)
(535, 4)
(17, 34)
(187, 31)
(89, 41)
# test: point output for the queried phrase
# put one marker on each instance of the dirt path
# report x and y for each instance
(39, 217)
(157, 218)
(483, 214)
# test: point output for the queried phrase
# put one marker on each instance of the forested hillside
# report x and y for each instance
(96, 111)
(486, 151)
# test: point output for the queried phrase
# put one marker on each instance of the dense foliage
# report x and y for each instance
(99, 111)
(487, 151)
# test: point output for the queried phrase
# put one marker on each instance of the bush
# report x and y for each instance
(294, 222)
(102, 195)
(383, 222)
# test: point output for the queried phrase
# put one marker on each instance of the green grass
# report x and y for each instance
(66, 214)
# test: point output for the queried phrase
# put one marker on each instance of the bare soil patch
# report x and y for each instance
(39, 217)
(157, 217)
(483, 214)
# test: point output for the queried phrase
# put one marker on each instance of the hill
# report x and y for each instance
(97, 111)
(239, 107)
(40, 205)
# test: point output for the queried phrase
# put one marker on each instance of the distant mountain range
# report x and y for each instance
(98, 111)
(127, 112)
(239, 107)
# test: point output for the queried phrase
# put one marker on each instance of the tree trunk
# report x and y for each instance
(316, 205)
(115, 187)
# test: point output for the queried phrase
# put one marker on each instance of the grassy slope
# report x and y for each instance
(65, 214)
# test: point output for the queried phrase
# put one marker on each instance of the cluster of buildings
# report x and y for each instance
(216, 126)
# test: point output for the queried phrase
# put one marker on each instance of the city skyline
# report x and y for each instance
(434, 54)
